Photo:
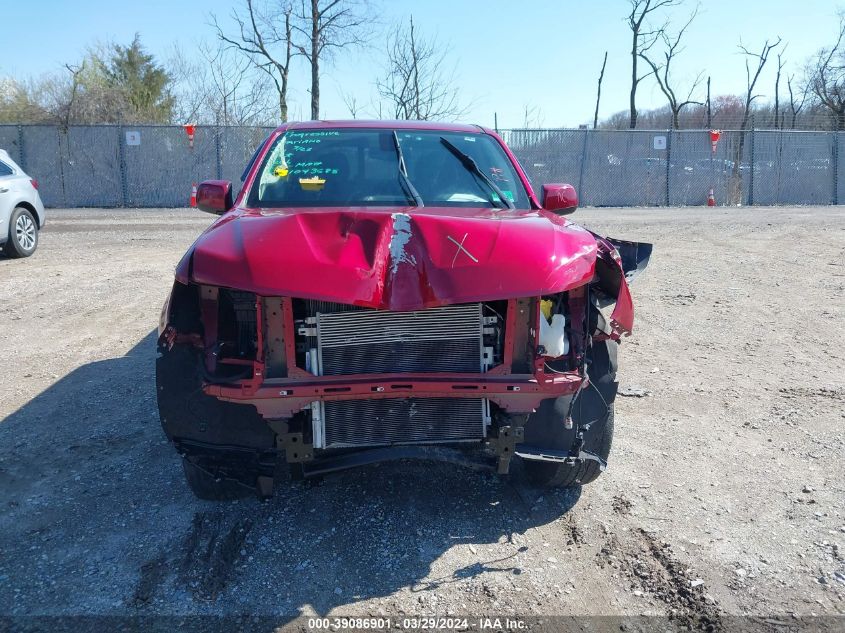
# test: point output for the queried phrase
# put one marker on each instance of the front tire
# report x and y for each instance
(559, 475)
(23, 234)
(592, 412)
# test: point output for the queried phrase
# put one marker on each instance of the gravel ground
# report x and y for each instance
(725, 494)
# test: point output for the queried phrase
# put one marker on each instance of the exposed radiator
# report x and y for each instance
(357, 423)
(342, 340)
(446, 339)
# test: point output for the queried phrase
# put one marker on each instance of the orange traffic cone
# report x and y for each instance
(194, 195)
(711, 199)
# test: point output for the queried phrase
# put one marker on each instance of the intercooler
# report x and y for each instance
(355, 341)
(349, 423)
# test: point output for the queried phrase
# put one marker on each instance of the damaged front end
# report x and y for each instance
(250, 380)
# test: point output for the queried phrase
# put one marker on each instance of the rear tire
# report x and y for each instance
(207, 486)
(23, 234)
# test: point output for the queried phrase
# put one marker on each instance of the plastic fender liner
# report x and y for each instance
(614, 269)
(181, 310)
(634, 256)
(189, 414)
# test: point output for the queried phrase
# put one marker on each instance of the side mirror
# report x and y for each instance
(215, 196)
(560, 199)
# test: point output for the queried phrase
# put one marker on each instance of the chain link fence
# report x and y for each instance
(679, 168)
(127, 166)
(154, 166)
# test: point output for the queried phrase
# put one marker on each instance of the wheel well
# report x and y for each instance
(31, 209)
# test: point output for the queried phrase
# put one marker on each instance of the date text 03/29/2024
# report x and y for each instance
(416, 623)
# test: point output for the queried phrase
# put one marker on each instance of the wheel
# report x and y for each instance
(558, 475)
(23, 234)
(206, 485)
(592, 411)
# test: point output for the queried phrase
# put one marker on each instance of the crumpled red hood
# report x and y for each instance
(392, 259)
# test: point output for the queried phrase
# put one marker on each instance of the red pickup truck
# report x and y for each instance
(391, 290)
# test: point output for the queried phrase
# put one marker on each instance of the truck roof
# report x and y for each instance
(381, 124)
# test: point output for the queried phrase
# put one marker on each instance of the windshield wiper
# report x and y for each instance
(471, 166)
(403, 174)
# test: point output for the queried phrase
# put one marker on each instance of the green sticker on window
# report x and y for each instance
(508, 194)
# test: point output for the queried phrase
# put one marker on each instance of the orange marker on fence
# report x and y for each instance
(194, 195)
(715, 135)
(189, 130)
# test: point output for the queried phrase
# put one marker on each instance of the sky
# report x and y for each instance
(544, 55)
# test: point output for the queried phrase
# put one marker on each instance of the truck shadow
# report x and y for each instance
(100, 522)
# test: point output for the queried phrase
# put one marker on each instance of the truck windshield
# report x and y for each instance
(359, 167)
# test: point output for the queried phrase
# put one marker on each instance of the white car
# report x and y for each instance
(21, 209)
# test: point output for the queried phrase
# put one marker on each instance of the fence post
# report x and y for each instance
(751, 165)
(121, 142)
(836, 167)
(668, 162)
(62, 132)
(21, 153)
(581, 171)
(217, 150)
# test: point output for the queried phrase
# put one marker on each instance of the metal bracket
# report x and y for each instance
(296, 450)
(551, 455)
(306, 327)
(504, 444)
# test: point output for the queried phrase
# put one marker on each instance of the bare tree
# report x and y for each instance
(220, 87)
(643, 38)
(795, 106)
(826, 77)
(22, 101)
(418, 83)
(110, 84)
(662, 71)
(351, 103)
(266, 40)
(92, 92)
(326, 26)
(75, 72)
(727, 111)
(752, 76)
(598, 92)
(236, 96)
(532, 116)
(191, 90)
(226, 76)
(778, 121)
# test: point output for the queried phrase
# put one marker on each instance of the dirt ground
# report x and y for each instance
(725, 492)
